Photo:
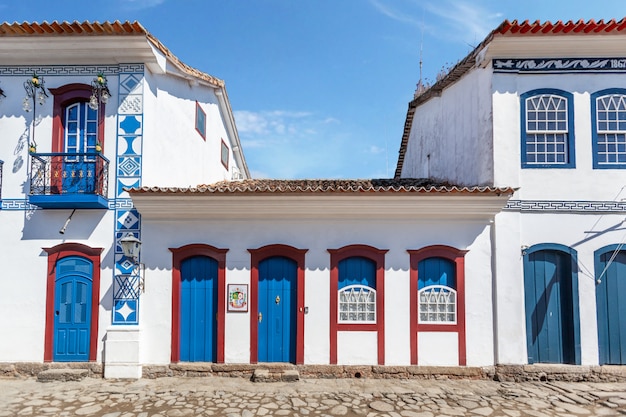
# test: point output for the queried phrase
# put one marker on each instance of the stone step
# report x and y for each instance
(275, 375)
(62, 374)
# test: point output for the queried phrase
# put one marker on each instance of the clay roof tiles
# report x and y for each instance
(115, 28)
(267, 186)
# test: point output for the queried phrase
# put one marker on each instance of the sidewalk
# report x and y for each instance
(238, 397)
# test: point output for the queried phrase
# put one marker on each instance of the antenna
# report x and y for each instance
(420, 85)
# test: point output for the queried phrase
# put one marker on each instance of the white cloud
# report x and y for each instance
(458, 20)
(276, 125)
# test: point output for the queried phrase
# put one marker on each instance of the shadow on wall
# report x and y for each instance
(47, 224)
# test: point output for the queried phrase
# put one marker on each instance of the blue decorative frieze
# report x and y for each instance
(17, 204)
(52, 70)
(566, 206)
(551, 65)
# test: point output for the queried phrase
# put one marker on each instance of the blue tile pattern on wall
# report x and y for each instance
(127, 175)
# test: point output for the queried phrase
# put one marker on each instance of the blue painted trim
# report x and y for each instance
(571, 152)
(575, 305)
(594, 127)
(67, 201)
(560, 65)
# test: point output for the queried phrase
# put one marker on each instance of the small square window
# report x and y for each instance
(200, 121)
(225, 154)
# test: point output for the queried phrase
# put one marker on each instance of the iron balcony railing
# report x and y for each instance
(69, 173)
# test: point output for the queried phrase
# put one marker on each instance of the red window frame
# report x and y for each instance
(456, 256)
(378, 257)
(63, 97)
(179, 255)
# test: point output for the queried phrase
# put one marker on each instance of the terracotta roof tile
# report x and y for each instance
(266, 186)
(115, 28)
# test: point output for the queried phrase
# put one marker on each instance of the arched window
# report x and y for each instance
(76, 128)
(357, 290)
(547, 129)
(608, 113)
(357, 293)
(437, 291)
(437, 296)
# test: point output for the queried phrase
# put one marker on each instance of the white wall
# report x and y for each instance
(581, 183)
(23, 276)
(455, 130)
(317, 237)
(175, 154)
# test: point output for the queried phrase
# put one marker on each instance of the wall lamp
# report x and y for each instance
(35, 91)
(131, 246)
(99, 91)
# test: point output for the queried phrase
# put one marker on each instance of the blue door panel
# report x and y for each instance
(611, 307)
(277, 304)
(549, 307)
(72, 310)
(198, 309)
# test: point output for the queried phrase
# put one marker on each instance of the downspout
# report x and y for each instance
(232, 129)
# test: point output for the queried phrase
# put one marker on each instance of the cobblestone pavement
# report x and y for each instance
(237, 397)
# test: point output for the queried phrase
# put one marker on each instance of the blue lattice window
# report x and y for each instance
(547, 129)
(609, 128)
(437, 299)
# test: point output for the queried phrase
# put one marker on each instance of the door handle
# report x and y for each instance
(260, 317)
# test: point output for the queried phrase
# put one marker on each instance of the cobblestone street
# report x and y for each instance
(234, 397)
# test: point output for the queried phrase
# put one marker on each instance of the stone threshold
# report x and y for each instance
(286, 371)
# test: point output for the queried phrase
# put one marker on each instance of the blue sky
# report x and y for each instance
(319, 88)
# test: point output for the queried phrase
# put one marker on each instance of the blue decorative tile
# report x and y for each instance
(125, 311)
(129, 145)
(132, 182)
(128, 220)
(130, 124)
(129, 166)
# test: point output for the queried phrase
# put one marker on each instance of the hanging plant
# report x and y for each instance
(32, 148)
(98, 147)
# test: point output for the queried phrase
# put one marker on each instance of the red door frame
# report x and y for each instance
(179, 255)
(458, 257)
(258, 255)
(378, 256)
(55, 254)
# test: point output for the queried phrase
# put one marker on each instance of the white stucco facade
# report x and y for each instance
(575, 209)
(148, 133)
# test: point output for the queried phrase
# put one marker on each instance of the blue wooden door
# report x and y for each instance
(277, 294)
(611, 306)
(72, 310)
(81, 134)
(198, 309)
(549, 307)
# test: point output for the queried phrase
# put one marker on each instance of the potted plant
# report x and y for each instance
(32, 148)
(98, 147)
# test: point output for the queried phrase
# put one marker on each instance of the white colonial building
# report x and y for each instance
(540, 107)
(86, 111)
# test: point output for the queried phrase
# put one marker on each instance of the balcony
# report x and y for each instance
(69, 180)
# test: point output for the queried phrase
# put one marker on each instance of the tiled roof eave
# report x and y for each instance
(90, 29)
